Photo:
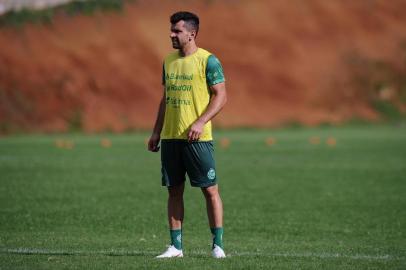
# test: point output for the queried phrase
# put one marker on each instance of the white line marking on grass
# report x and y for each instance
(320, 255)
(37, 251)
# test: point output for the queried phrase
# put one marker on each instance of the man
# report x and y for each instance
(194, 93)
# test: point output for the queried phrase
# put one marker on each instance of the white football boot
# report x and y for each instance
(171, 252)
(218, 252)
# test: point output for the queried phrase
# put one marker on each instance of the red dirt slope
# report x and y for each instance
(285, 61)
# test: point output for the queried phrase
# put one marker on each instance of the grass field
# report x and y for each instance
(291, 205)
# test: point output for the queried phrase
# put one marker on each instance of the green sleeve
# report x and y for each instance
(214, 71)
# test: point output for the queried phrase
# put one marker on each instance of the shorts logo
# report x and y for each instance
(211, 174)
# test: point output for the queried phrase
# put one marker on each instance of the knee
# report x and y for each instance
(211, 193)
(176, 192)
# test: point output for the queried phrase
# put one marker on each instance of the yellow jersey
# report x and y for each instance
(187, 93)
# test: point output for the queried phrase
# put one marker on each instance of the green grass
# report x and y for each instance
(292, 205)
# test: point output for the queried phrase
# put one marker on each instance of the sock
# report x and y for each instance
(217, 236)
(176, 238)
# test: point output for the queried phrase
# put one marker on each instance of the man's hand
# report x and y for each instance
(217, 101)
(195, 130)
(154, 142)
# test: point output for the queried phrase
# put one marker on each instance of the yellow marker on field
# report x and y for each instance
(314, 140)
(64, 144)
(331, 141)
(69, 144)
(106, 143)
(270, 141)
(59, 143)
(225, 143)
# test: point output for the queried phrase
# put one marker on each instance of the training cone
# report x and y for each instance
(270, 141)
(59, 143)
(69, 144)
(314, 140)
(64, 144)
(225, 143)
(331, 141)
(106, 143)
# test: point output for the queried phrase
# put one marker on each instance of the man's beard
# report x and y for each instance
(175, 43)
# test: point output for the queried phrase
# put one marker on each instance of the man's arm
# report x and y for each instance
(159, 122)
(217, 102)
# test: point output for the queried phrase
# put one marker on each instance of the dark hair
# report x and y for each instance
(191, 20)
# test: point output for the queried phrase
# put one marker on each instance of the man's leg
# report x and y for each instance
(214, 206)
(215, 214)
(175, 220)
(175, 206)
(175, 214)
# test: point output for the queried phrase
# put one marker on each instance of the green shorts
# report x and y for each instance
(179, 157)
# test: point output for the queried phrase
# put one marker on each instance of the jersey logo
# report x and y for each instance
(211, 174)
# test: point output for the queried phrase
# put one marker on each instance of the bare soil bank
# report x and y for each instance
(307, 62)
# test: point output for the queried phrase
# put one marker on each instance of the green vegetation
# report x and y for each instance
(297, 204)
(75, 121)
(19, 18)
(388, 110)
(381, 83)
